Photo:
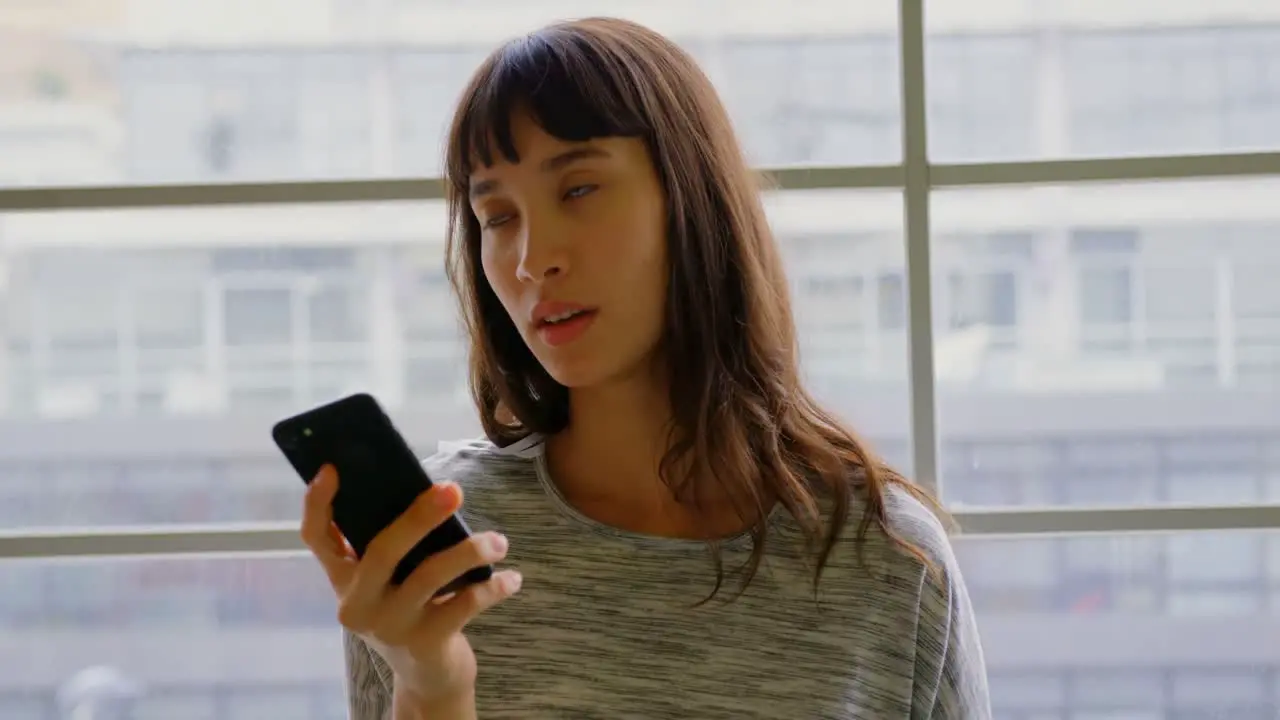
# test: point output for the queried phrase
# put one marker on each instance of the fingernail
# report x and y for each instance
(442, 495)
(511, 583)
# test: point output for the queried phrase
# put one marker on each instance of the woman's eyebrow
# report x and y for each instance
(556, 162)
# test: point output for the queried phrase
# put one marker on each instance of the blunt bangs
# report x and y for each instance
(572, 88)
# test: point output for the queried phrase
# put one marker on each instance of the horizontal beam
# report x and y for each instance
(1089, 170)
(283, 537)
(265, 193)
(336, 191)
(156, 540)
(1180, 167)
(855, 177)
(1048, 521)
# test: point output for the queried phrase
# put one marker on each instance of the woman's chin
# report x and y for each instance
(573, 377)
(575, 372)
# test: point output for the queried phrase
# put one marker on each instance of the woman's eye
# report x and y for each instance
(578, 191)
(496, 221)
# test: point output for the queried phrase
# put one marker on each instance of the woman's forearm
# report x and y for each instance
(407, 706)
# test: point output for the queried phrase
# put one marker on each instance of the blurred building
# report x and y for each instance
(1096, 345)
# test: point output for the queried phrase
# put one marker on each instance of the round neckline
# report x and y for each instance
(740, 540)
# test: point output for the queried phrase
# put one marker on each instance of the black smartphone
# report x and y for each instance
(379, 477)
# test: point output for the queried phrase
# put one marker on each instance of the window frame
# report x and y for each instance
(915, 176)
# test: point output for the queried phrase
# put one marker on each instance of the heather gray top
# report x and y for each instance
(603, 628)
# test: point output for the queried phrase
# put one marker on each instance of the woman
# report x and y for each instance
(634, 364)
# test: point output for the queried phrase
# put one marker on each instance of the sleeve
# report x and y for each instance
(368, 681)
(950, 674)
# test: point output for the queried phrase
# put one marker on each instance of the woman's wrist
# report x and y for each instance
(409, 705)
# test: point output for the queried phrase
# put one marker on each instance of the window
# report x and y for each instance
(423, 81)
(981, 95)
(223, 606)
(1105, 354)
(987, 472)
(172, 704)
(78, 335)
(1049, 85)
(167, 317)
(1112, 693)
(1106, 295)
(337, 313)
(1048, 607)
(1106, 290)
(259, 316)
(807, 100)
(1006, 577)
(1111, 574)
(982, 299)
(1173, 89)
(229, 114)
(891, 301)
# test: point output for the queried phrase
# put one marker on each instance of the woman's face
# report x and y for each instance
(573, 242)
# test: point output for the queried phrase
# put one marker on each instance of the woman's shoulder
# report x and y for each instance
(912, 537)
(919, 524)
(478, 461)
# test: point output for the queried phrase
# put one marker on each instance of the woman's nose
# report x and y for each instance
(544, 255)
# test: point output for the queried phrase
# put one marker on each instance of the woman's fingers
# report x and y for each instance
(368, 603)
(318, 532)
(371, 580)
(338, 540)
(406, 602)
(452, 616)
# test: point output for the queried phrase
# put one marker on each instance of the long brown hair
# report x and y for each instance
(742, 418)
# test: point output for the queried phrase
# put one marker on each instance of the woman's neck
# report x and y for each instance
(613, 445)
(606, 464)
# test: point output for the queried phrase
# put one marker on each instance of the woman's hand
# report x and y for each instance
(419, 637)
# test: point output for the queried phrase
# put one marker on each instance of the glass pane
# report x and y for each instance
(844, 257)
(1061, 638)
(163, 91)
(234, 638)
(1130, 356)
(262, 311)
(199, 328)
(1098, 627)
(1014, 79)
